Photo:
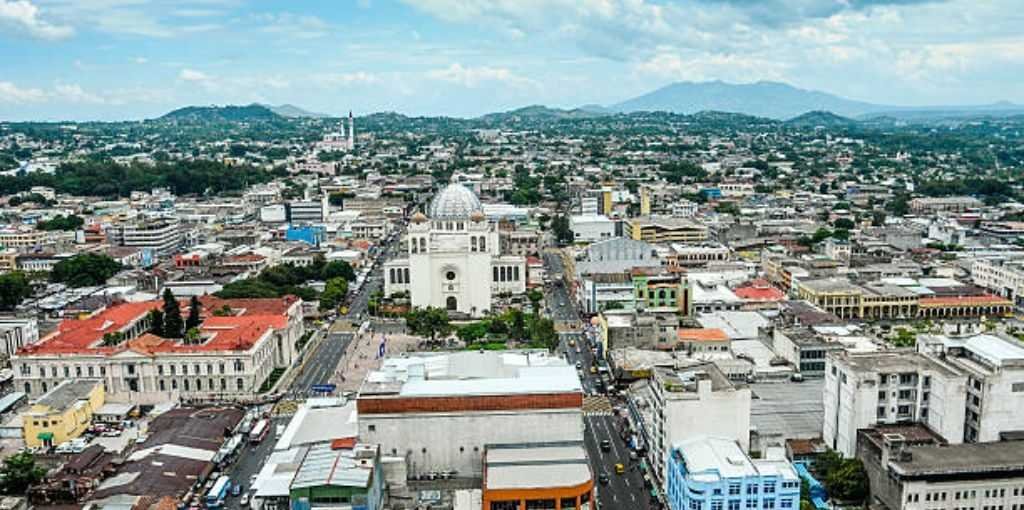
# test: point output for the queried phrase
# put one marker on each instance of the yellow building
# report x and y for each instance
(664, 229)
(63, 413)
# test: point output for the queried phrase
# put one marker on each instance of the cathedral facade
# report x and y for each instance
(452, 258)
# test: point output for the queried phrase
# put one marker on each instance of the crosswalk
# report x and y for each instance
(597, 406)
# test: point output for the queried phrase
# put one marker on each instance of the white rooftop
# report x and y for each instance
(710, 459)
(477, 373)
(319, 421)
(990, 348)
(537, 467)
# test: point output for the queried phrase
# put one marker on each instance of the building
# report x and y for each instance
(589, 228)
(924, 205)
(163, 237)
(664, 229)
(21, 239)
(851, 301)
(863, 390)
(411, 405)
(306, 211)
(449, 256)
(16, 333)
(537, 475)
(1004, 277)
(339, 474)
(909, 468)
(680, 404)
(803, 349)
(714, 473)
(241, 341)
(63, 413)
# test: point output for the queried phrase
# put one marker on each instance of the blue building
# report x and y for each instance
(711, 193)
(311, 234)
(712, 473)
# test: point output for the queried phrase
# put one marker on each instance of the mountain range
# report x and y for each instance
(783, 101)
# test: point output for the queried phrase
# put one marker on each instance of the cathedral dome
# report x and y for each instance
(454, 202)
(419, 218)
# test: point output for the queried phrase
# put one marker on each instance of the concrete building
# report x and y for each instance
(679, 404)
(664, 229)
(451, 254)
(238, 348)
(339, 474)
(909, 468)
(63, 413)
(306, 211)
(537, 475)
(951, 204)
(16, 333)
(411, 405)
(803, 349)
(714, 473)
(1004, 277)
(589, 228)
(163, 237)
(862, 390)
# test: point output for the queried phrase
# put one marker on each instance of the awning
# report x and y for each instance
(44, 436)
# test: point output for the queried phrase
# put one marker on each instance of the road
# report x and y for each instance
(624, 491)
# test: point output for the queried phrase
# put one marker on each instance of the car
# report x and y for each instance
(572, 343)
(579, 365)
(593, 369)
(252, 479)
(619, 469)
(236, 489)
(244, 500)
(606, 445)
(603, 479)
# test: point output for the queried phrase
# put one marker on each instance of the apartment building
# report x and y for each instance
(909, 468)
(679, 404)
(664, 229)
(950, 204)
(164, 237)
(240, 342)
(713, 473)
(1004, 277)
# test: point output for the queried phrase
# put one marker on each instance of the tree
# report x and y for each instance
(338, 269)
(428, 322)
(156, 322)
(112, 338)
(844, 224)
(560, 228)
(19, 472)
(193, 319)
(535, 298)
(877, 218)
(59, 222)
(334, 293)
(85, 270)
(517, 324)
(844, 479)
(192, 336)
(173, 325)
(14, 288)
(542, 331)
(472, 332)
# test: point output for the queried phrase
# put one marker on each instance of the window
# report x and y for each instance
(240, 384)
(67, 372)
(221, 367)
(223, 384)
(785, 503)
(239, 365)
(186, 385)
(495, 270)
(159, 370)
(751, 503)
(450, 275)
(734, 504)
(78, 371)
(161, 384)
(199, 385)
(174, 384)
(695, 504)
(734, 489)
(716, 504)
(91, 370)
(25, 370)
(769, 503)
(769, 488)
(174, 370)
(752, 489)
(372, 428)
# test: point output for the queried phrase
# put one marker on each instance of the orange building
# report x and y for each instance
(550, 476)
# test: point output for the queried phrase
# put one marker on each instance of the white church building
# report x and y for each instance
(453, 258)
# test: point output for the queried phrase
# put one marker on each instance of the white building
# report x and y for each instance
(163, 237)
(440, 410)
(16, 333)
(588, 228)
(1003, 277)
(240, 342)
(676, 405)
(451, 255)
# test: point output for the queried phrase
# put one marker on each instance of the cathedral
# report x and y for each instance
(453, 258)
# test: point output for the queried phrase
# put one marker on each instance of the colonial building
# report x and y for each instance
(240, 342)
(454, 259)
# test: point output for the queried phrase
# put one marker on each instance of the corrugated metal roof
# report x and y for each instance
(324, 466)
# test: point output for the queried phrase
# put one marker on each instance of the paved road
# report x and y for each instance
(559, 303)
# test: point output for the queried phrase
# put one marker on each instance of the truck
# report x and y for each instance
(259, 431)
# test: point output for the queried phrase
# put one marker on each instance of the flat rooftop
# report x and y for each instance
(536, 466)
(65, 394)
(965, 459)
(472, 373)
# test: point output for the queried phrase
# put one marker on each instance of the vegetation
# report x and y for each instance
(334, 293)
(560, 228)
(106, 178)
(287, 279)
(14, 288)
(532, 330)
(194, 318)
(271, 379)
(71, 222)
(18, 473)
(174, 326)
(843, 478)
(85, 270)
(428, 322)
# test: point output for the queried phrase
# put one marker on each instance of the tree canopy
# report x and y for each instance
(70, 222)
(19, 472)
(428, 322)
(14, 288)
(84, 270)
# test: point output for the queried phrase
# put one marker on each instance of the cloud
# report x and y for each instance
(23, 15)
(75, 94)
(11, 93)
(471, 77)
(354, 78)
(701, 67)
(193, 76)
(295, 26)
(140, 60)
(145, 18)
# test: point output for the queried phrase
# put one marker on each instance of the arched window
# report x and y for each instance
(240, 384)
(391, 274)
(483, 243)
(515, 273)
(162, 385)
(472, 244)
(423, 244)
(451, 303)
(405, 271)
(495, 270)
(44, 387)
(28, 387)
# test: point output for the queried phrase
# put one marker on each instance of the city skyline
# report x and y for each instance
(132, 59)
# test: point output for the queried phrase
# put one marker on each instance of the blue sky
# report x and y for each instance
(130, 59)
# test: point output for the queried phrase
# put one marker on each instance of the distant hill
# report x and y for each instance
(538, 112)
(294, 112)
(783, 101)
(227, 113)
(823, 119)
(763, 99)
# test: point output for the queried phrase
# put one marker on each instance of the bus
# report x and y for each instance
(259, 431)
(217, 493)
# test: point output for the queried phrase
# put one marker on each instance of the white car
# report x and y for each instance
(244, 500)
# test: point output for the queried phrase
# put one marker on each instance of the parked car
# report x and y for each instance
(603, 479)
(606, 445)
(245, 499)
(236, 489)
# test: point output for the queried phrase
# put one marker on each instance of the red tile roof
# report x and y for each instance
(702, 335)
(759, 290)
(252, 320)
(985, 300)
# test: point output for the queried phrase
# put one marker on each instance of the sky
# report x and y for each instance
(134, 59)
